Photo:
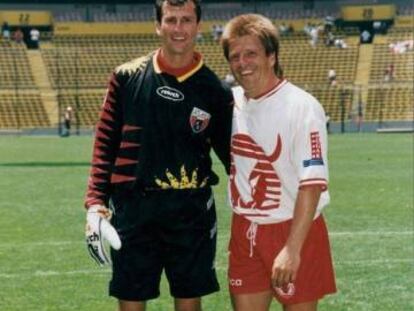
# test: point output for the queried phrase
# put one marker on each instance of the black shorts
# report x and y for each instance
(173, 231)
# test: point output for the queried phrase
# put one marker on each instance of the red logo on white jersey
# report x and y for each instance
(263, 180)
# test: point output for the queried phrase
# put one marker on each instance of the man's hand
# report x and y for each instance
(99, 229)
(285, 267)
(286, 264)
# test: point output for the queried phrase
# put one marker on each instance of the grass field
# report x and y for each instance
(44, 263)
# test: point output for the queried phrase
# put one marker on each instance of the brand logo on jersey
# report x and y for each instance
(316, 151)
(236, 282)
(199, 120)
(170, 93)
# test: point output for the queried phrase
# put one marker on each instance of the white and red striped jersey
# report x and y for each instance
(279, 144)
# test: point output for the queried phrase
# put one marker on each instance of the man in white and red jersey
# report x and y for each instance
(278, 179)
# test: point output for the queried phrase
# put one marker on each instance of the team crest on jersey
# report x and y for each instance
(199, 120)
(316, 151)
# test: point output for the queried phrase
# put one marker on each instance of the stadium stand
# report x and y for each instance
(74, 63)
(23, 109)
(217, 12)
(307, 65)
(390, 103)
(71, 64)
(14, 66)
(335, 100)
(303, 62)
(82, 67)
(20, 101)
(87, 104)
(391, 98)
(384, 55)
(77, 64)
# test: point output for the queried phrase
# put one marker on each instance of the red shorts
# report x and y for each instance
(252, 274)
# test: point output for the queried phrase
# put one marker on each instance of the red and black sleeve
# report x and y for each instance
(106, 145)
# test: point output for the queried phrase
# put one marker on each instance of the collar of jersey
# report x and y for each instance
(267, 94)
(180, 73)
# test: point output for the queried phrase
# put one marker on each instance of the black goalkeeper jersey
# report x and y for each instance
(156, 130)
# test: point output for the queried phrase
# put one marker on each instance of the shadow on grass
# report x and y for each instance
(44, 164)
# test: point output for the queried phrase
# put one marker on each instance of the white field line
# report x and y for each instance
(373, 262)
(347, 234)
(53, 273)
(41, 243)
(372, 233)
(221, 236)
(107, 271)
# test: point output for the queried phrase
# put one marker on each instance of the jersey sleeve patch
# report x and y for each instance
(316, 151)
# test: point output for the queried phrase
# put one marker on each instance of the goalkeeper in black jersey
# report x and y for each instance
(152, 170)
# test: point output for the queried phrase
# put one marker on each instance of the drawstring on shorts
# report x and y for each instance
(251, 236)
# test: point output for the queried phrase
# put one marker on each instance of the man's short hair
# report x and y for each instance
(159, 3)
(254, 25)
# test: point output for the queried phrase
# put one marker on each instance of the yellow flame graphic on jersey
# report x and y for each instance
(184, 182)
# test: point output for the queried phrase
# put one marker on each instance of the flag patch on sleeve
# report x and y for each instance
(316, 151)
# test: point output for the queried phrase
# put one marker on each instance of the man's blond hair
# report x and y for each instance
(253, 25)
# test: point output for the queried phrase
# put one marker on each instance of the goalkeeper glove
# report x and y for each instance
(98, 229)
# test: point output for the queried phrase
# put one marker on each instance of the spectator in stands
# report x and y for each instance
(214, 32)
(329, 23)
(401, 47)
(34, 38)
(283, 29)
(291, 29)
(67, 121)
(389, 73)
(5, 31)
(18, 36)
(307, 28)
(219, 31)
(279, 245)
(199, 36)
(314, 35)
(229, 80)
(340, 43)
(360, 114)
(151, 165)
(328, 122)
(329, 39)
(332, 77)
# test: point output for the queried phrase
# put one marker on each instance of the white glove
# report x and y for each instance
(99, 229)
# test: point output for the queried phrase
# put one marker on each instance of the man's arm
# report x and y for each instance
(310, 158)
(106, 145)
(286, 263)
(105, 149)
